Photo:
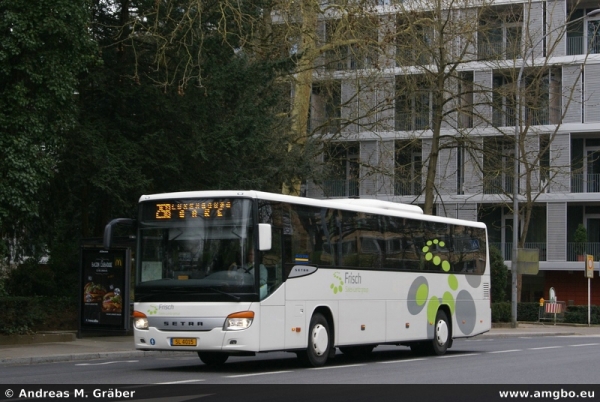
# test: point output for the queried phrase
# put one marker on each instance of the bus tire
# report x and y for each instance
(441, 334)
(319, 342)
(213, 358)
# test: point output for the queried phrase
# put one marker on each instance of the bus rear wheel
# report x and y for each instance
(319, 342)
(213, 358)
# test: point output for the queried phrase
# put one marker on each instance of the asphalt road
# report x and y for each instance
(515, 360)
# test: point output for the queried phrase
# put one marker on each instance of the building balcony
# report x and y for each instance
(575, 251)
(407, 188)
(412, 121)
(577, 45)
(324, 125)
(585, 183)
(498, 185)
(533, 117)
(340, 188)
(506, 249)
(499, 50)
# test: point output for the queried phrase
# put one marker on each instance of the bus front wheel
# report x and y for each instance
(441, 334)
(213, 358)
(319, 342)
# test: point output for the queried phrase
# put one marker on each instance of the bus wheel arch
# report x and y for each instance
(321, 338)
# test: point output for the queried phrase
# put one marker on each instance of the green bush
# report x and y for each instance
(30, 279)
(26, 315)
(501, 312)
(579, 315)
(528, 311)
(19, 315)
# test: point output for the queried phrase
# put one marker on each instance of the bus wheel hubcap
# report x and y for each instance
(441, 332)
(319, 339)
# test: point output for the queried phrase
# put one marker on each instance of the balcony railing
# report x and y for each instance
(585, 183)
(576, 45)
(504, 118)
(498, 185)
(412, 121)
(506, 249)
(575, 251)
(340, 188)
(499, 50)
(533, 117)
(407, 188)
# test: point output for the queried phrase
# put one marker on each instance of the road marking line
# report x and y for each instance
(462, 355)
(507, 351)
(255, 374)
(104, 363)
(336, 367)
(179, 382)
(403, 361)
(546, 347)
(585, 344)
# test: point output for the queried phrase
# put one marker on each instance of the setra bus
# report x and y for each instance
(226, 273)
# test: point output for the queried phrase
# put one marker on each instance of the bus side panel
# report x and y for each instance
(272, 322)
(400, 324)
(272, 325)
(296, 331)
(361, 321)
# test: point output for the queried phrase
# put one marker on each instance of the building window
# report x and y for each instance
(498, 165)
(583, 36)
(362, 53)
(408, 168)
(460, 170)
(465, 108)
(500, 32)
(413, 104)
(413, 41)
(325, 110)
(343, 169)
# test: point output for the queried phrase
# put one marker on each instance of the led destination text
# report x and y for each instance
(214, 209)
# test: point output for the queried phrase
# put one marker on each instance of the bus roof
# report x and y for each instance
(350, 204)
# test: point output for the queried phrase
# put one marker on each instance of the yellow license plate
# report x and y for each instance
(183, 342)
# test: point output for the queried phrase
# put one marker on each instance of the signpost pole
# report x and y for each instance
(589, 274)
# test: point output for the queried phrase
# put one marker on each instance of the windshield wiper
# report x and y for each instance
(234, 297)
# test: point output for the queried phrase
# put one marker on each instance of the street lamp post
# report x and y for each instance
(517, 159)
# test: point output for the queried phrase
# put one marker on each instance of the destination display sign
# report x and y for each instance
(166, 210)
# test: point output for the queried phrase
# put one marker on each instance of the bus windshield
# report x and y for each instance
(196, 250)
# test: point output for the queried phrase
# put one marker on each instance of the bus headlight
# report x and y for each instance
(140, 321)
(239, 321)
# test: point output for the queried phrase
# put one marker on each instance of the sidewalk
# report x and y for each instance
(89, 348)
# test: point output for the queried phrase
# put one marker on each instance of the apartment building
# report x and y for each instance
(528, 70)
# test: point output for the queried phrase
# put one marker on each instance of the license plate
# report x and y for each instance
(183, 342)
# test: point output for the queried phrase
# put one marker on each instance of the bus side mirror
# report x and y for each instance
(264, 236)
(108, 229)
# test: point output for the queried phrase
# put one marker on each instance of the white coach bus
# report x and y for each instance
(347, 274)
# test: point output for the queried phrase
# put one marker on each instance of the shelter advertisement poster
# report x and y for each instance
(104, 289)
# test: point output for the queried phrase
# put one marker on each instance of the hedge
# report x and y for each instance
(27, 315)
(501, 312)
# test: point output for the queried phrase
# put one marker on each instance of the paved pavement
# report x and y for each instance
(88, 348)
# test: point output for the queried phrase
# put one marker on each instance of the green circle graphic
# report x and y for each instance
(452, 282)
(422, 293)
(448, 299)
